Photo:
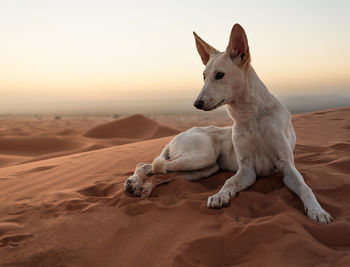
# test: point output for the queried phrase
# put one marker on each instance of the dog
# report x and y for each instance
(260, 142)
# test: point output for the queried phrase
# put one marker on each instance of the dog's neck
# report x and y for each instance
(255, 98)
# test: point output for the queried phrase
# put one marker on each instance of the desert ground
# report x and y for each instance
(63, 203)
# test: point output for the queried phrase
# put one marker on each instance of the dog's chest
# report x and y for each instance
(253, 148)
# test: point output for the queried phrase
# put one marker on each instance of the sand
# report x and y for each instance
(70, 208)
(24, 140)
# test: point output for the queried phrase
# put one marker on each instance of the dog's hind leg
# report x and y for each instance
(158, 179)
(190, 166)
(134, 184)
(141, 184)
(158, 162)
(183, 163)
(196, 175)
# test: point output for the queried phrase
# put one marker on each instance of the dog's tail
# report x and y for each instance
(158, 164)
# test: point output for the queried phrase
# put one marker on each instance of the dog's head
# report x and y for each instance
(224, 74)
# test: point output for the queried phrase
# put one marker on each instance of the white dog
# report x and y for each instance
(260, 143)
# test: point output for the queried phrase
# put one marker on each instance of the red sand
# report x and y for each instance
(25, 140)
(72, 211)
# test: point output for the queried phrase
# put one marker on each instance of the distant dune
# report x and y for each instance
(72, 211)
(136, 126)
(26, 142)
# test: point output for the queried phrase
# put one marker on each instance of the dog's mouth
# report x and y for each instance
(216, 106)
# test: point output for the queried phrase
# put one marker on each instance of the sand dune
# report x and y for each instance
(30, 141)
(136, 126)
(72, 211)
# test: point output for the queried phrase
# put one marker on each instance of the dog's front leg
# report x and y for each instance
(244, 178)
(295, 182)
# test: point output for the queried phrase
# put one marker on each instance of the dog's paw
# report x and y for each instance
(135, 186)
(219, 200)
(146, 189)
(319, 215)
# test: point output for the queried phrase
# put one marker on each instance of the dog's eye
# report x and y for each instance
(219, 75)
(203, 76)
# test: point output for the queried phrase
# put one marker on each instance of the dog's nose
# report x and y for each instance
(198, 104)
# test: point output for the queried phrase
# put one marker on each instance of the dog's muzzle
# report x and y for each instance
(198, 104)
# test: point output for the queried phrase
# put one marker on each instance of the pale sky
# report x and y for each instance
(80, 50)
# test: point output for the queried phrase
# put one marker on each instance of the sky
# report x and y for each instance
(81, 50)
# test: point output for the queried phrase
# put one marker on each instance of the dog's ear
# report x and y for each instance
(204, 49)
(238, 45)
